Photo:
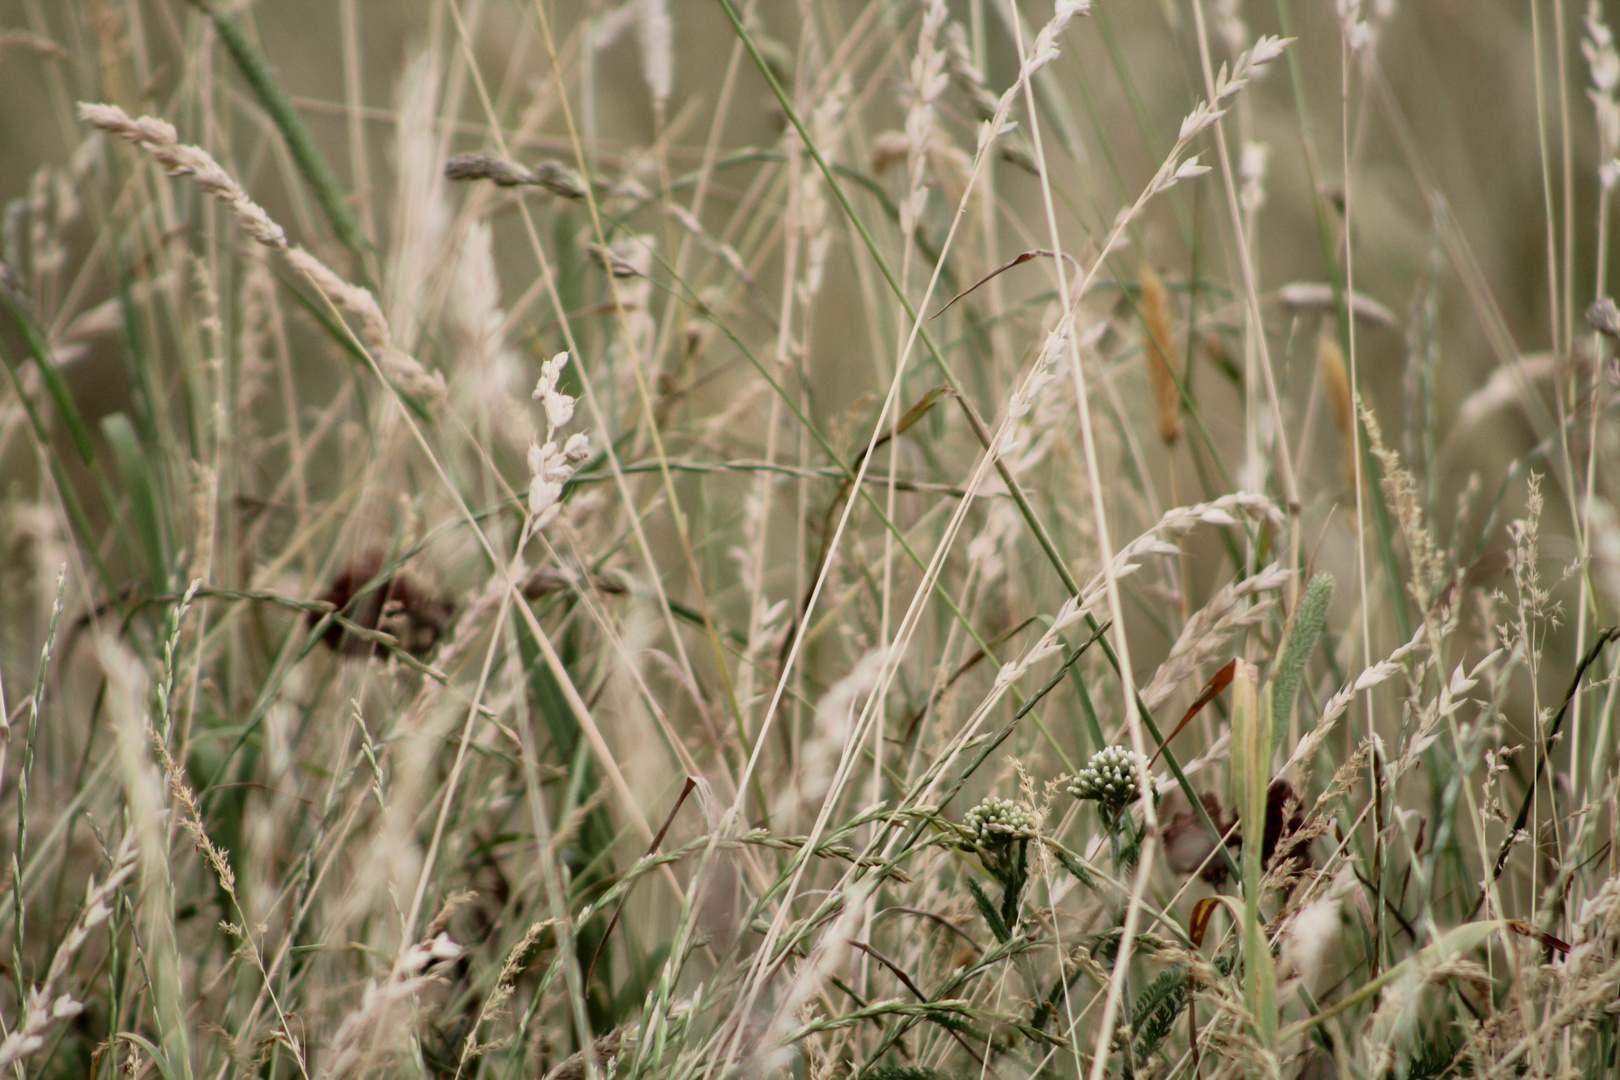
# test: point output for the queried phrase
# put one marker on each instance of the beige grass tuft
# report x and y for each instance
(1158, 354)
(1336, 384)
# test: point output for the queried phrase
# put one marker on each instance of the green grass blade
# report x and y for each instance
(55, 385)
(255, 68)
(138, 485)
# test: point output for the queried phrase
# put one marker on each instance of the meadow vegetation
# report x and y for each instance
(900, 540)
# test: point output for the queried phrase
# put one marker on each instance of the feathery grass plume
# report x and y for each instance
(1603, 61)
(1252, 171)
(256, 70)
(1336, 384)
(159, 139)
(927, 81)
(1428, 560)
(1130, 558)
(835, 715)
(394, 361)
(1239, 604)
(1312, 935)
(1227, 15)
(655, 34)
(43, 1006)
(1015, 149)
(1157, 352)
(128, 690)
(419, 219)
(1336, 705)
(496, 1005)
(344, 795)
(827, 124)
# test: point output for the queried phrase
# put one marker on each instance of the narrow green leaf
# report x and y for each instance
(1458, 940)
(255, 68)
(160, 1060)
(143, 503)
(55, 386)
(1068, 863)
(991, 916)
(345, 340)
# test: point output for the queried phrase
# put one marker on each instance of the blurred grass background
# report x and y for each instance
(1472, 216)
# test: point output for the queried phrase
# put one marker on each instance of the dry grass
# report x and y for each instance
(900, 541)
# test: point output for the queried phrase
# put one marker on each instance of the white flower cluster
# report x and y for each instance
(550, 464)
(1112, 777)
(997, 820)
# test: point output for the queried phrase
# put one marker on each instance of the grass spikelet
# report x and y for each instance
(1207, 634)
(655, 34)
(159, 139)
(1157, 353)
(1403, 492)
(394, 361)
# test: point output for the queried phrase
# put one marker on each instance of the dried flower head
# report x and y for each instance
(393, 603)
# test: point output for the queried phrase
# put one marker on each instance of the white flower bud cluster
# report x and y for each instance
(997, 820)
(1112, 777)
(552, 464)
